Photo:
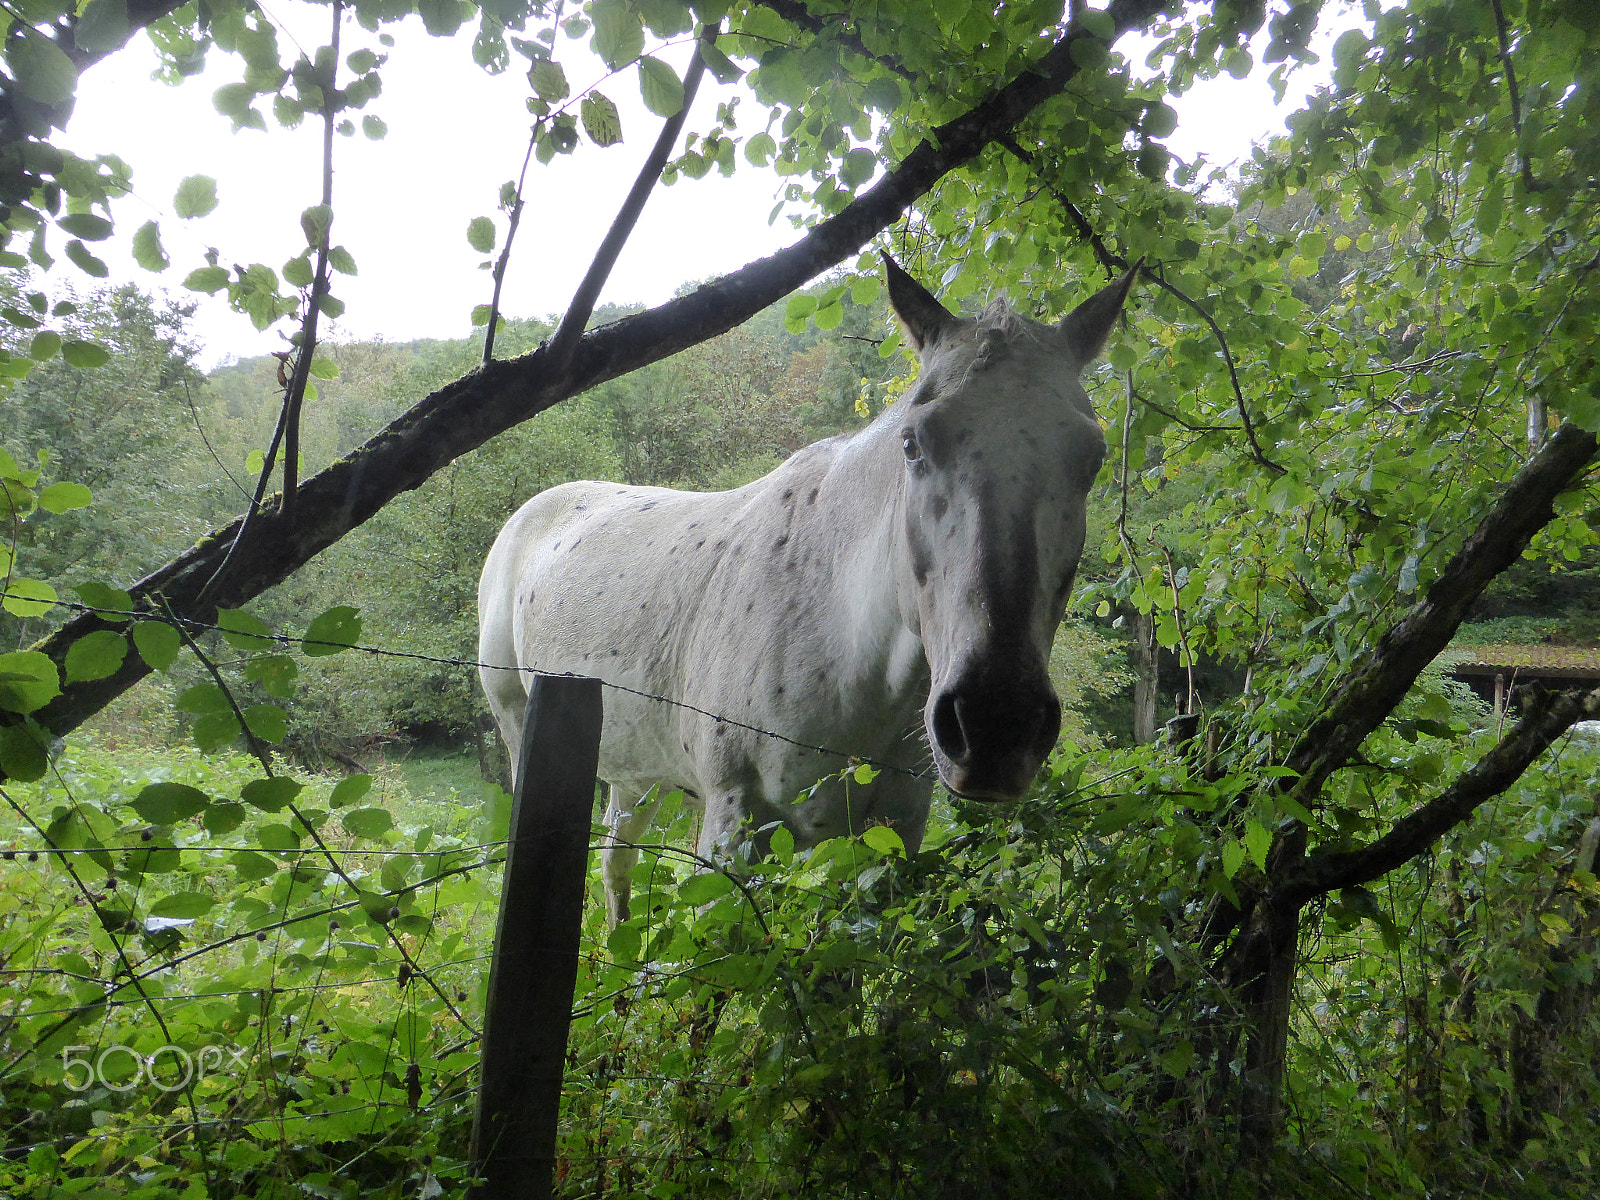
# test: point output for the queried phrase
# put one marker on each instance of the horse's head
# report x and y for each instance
(1000, 446)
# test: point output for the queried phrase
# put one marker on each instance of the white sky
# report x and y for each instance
(456, 134)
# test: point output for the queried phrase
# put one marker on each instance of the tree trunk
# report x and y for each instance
(1145, 681)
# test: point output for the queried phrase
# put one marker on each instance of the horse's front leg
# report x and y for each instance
(627, 821)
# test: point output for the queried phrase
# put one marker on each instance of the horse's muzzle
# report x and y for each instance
(991, 746)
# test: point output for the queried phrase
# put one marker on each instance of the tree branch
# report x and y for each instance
(565, 340)
(463, 415)
(1377, 683)
(1416, 833)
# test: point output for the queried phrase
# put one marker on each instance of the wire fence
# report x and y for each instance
(39, 1004)
(289, 641)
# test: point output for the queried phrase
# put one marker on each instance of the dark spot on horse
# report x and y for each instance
(780, 690)
(686, 746)
(648, 505)
(788, 493)
(781, 542)
(613, 654)
(557, 546)
(700, 543)
(672, 550)
(750, 606)
(812, 497)
(940, 507)
(574, 545)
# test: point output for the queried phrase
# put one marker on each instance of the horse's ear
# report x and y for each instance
(921, 315)
(1086, 327)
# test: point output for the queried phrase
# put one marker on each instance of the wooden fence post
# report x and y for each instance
(535, 966)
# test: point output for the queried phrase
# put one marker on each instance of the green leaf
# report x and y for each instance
(373, 127)
(719, 64)
(1088, 53)
(315, 222)
(63, 497)
(158, 643)
(85, 356)
(45, 346)
(1159, 121)
(169, 803)
(40, 68)
(703, 887)
(859, 166)
(203, 698)
(250, 866)
(148, 250)
(349, 789)
(215, 731)
(341, 261)
(1257, 840)
(96, 655)
(207, 279)
(267, 721)
(23, 756)
(333, 631)
(601, 121)
(271, 795)
(481, 234)
(28, 680)
(782, 844)
(759, 150)
(618, 33)
(102, 26)
(660, 86)
(442, 17)
(275, 673)
(367, 822)
(196, 197)
(29, 598)
(297, 272)
(1233, 856)
(86, 262)
(223, 816)
(86, 226)
(244, 631)
(549, 80)
(884, 840)
(184, 905)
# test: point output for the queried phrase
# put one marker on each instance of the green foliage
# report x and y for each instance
(175, 957)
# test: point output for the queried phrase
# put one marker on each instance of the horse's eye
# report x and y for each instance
(909, 443)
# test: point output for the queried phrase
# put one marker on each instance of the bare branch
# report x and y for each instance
(565, 340)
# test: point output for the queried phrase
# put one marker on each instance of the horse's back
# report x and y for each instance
(598, 579)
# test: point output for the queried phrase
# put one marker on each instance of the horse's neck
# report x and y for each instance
(864, 499)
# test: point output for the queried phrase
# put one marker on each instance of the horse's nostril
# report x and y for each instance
(947, 730)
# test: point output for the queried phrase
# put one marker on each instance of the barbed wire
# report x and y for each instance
(288, 640)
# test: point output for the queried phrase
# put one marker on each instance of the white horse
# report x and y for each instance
(921, 564)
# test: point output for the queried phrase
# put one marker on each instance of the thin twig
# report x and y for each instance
(564, 343)
(295, 396)
(1503, 33)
